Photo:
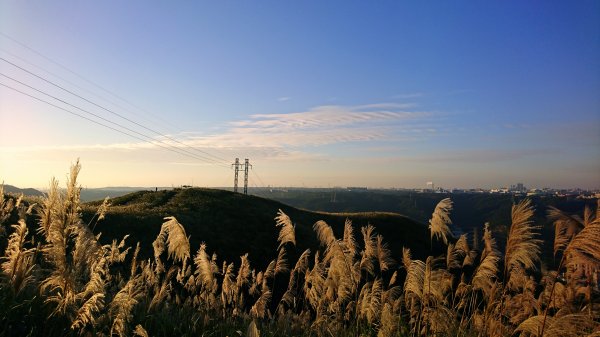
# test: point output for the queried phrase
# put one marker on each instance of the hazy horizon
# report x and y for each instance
(386, 95)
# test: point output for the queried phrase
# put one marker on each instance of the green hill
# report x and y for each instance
(232, 224)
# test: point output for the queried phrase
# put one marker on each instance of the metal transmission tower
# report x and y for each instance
(236, 166)
(246, 166)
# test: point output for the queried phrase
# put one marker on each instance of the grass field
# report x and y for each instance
(215, 263)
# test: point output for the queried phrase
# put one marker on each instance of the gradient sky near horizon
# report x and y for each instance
(315, 93)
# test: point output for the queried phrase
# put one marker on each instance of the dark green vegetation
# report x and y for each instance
(471, 210)
(232, 224)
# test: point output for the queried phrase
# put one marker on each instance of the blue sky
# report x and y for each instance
(385, 94)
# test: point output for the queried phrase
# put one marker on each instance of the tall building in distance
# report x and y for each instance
(519, 187)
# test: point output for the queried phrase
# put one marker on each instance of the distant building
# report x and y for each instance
(518, 188)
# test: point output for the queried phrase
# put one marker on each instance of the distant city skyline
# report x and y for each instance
(386, 95)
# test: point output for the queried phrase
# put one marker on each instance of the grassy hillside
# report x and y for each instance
(232, 224)
(58, 279)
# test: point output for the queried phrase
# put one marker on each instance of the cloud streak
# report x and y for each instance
(284, 136)
(322, 125)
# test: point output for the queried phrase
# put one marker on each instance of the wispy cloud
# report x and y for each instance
(409, 95)
(285, 136)
(283, 99)
(321, 125)
(483, 155)
(331, 116)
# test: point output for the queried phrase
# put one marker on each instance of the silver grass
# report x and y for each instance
(114, 252)
(287, 231)
(523, 245)
(349, 241)
(393, 279)
(49, 208)
(374, 301)
(87, 249)
(439, 319)
(584, 249)
(302, 263)
(384, 256)
(314, 283)
(440, 220)
(270, 271)
(370, 251)
(406, 258)
(454, 257)
(289, 297)
(578, 324)
(243, 272)
(415, 277)
(435, 281)
(134, 260)
(487, 270)
(206, 268)
(228, 284)
(121, 307)
(563, 234)
(260, 307)
(389, 322)
(17, 263)
(103, 209)
(86, 315)
(253, 330)
(300, 268)
(338, 280)
(160, 294)
(140, 331)
(173, 233)
(281, 265)
(324, 233)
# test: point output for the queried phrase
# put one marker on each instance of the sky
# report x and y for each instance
(385, 94)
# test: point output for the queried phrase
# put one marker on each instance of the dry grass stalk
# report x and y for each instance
(140, 331)
(287, 231)
(523, 245)
(121, 307)
(440, 220)
(253, 330)
(18, 263)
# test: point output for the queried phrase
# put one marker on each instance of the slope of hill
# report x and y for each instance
(471, 210)
(93, 194)
(32, 192)
(232, 224)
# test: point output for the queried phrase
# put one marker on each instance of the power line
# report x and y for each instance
(88, 81)
(74, 73)
(97, 86)
(260, 180)
(174, 149)
(90, 92)
(108, 110)
(107, 120)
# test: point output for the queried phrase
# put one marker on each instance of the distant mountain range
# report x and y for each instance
(25, 191)
(91, 194)
(87, 194)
